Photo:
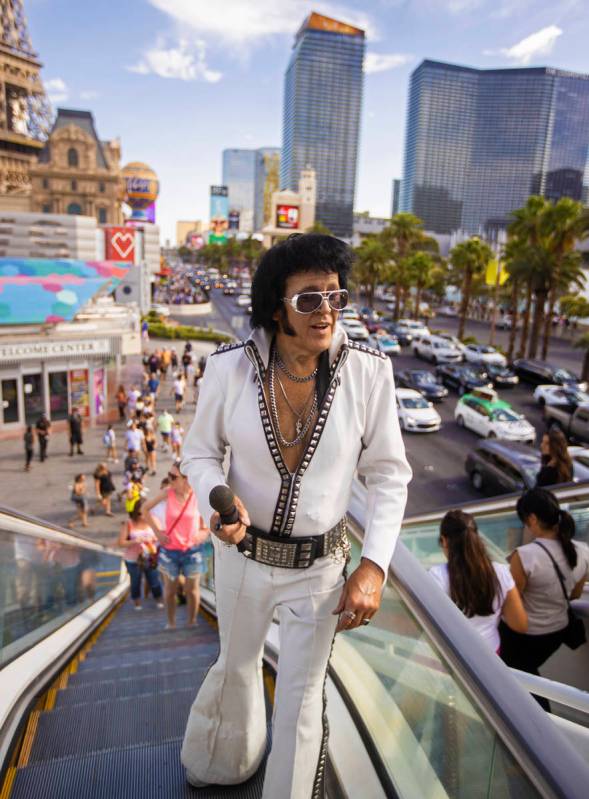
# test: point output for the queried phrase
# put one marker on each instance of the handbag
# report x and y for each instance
(574, 633)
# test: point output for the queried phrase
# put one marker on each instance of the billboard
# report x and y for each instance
(287, 216)
(196, 241)
(219, 214)
(120, 244)
(233, 220)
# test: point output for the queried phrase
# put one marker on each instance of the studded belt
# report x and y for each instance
(296, 552)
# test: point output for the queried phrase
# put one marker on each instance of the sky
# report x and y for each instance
(180, 80)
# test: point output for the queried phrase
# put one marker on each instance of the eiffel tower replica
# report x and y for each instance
(25, 113)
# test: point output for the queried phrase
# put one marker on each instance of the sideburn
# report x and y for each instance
(283, 323)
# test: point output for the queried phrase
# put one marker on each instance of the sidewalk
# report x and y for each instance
(44, 492)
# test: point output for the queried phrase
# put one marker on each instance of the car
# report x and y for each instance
(502, 467)
(355, 329)
(435, 349)
(538, 372)
(413, 327)
(501, 376)
(387, 344)
(349, 313)
(401, 334)
(454, 340)
(580, 459)
(559, 395)
(243, 300)
(371, 318)
(160, 309)
(423, 381)
(493, 419)
(228, 290)
(446, 310)
(416, 414)
(573, 420)
(483, 354)
(505, 322)
(462, 377)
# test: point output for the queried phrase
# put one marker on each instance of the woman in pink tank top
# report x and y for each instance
(182, 539)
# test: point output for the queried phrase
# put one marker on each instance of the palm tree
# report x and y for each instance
(402, 236)
(420, 266)
(369, 267)
(518, 269)
(469, 260)
(319, 227)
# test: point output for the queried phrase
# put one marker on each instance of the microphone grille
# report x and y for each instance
(221, 498)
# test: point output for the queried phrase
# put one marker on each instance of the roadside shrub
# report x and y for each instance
(187, 333)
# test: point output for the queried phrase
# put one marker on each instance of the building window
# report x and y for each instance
(101, 187)
(75, 209)
(72, 157)
(47, 208)
(102, 216)
(74, 185)
(58, 402)
(45, 183)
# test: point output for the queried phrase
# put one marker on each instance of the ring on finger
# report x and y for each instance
(365, 621)
(350, 614)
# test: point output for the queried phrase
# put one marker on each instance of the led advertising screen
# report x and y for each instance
(219, 214)
(233, 220)
(287, 216)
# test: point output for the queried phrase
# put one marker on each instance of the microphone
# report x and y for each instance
(222, 499)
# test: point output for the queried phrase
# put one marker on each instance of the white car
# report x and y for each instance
(349, 313)
(416, 414)
(454, 340)
(580, 458)
(447, 310)
(161, 310)
(493, 419)
(548, 394)
(480, 353)
(355, 329)
(389, 345)
(435, 349)
(415, 329)
(243, 301)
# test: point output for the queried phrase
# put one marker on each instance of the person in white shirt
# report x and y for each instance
(483, 590)
(535, 568)
(301, 410)
(135, 439)
(178, 391)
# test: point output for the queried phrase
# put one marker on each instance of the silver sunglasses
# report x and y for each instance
(310, 301)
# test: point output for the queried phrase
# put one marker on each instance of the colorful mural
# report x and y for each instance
(34, 291)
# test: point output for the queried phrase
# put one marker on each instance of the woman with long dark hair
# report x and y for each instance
(536, 577)
(484, 591)
(557, 464)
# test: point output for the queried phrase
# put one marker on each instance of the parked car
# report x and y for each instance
(559, 395)
(493, 419)
(447, 310)
(243, 300)
(580, 458)
(462, 377)
(371, 318)
(505, 322)
(573, 420)
(481, 353)
(501, 376)
(387, 344)
(416, 414)
(423, 381)
(435, 349)
(349, 313)
(502, 467)
(539, 372)
(355, 329)
(413, 327)
(454, 340)
(401, 334)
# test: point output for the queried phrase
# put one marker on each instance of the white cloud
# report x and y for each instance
(57, 90)
(380, 62)
(537, 44)
(183, 62)
(89, 94)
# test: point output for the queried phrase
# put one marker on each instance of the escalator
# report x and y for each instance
(95, 694)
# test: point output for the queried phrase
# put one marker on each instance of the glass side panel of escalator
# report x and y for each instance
(43, 584)
(428, 731)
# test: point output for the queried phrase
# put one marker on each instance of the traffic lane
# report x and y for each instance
(234, 317)
(437, 459)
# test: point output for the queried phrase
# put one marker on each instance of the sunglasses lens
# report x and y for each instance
(338, 300)
(309, 302)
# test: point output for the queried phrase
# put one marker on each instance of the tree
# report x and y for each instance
(370, 265)
(469, 260)
(519, 272)
(419, 266)
(402, 236)
(319, 227)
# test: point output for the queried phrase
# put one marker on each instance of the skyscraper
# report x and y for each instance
(479, 142)
(396, 196)
(239, 175)
(322, 103)
(267, 182)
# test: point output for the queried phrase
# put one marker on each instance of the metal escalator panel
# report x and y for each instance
(437, 727)
(47, 577)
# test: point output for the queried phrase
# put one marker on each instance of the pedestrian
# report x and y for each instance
(140, 544)
(181, 538)
(29, 442)
(78, 497)
(165, 422)
(177, 437)
(145, 330)
(174, 359)
(153, 385)
(135, 439)
(284, 407)
(132, 398)
(109, 439)
(43, 428)
(178, 391)
(186, 360)
(483, 590)
(557, 464)
(75, 428)
(121, 397)
(548, 572)
(165, 362)
(150, 453)
(104, 486)
(154, 363)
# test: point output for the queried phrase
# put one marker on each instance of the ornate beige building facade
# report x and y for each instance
(77, 173)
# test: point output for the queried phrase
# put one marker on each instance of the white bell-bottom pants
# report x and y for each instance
(225, 737)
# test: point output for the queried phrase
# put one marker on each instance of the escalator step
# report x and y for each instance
(96, 661)
(165, 664)
(111, 725)
(149, 772)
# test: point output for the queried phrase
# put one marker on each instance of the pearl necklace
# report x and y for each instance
(301, 427)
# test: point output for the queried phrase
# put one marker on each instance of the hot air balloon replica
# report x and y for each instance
(141, 188)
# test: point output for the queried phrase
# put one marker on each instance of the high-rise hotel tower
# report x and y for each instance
(322, 105)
